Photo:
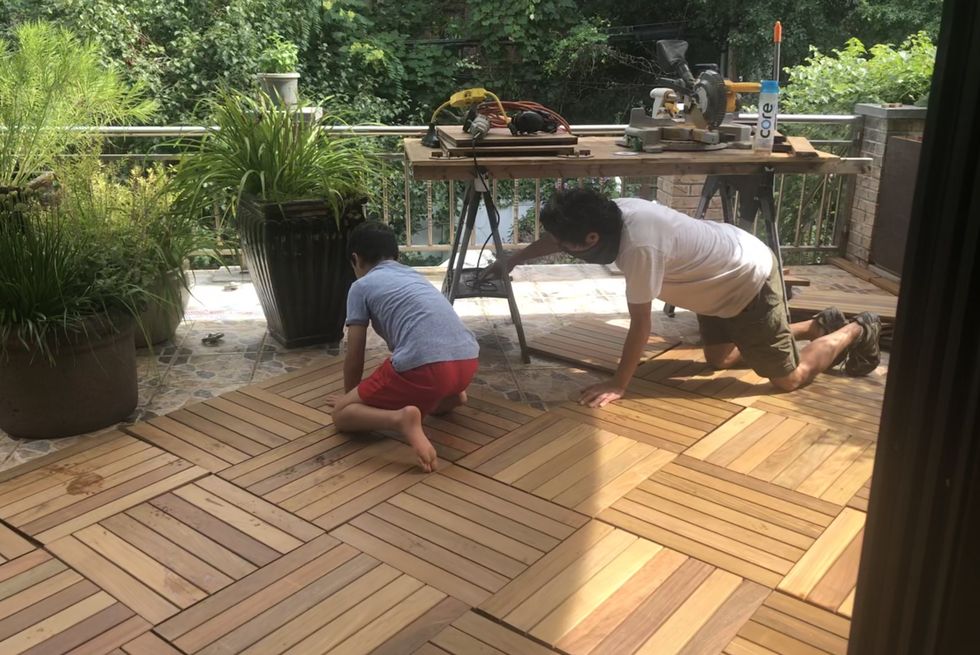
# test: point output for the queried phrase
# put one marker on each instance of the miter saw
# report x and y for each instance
(688, 112)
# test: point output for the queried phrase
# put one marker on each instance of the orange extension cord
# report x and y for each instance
(492, 111)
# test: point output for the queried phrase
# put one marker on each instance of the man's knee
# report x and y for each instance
(722, 357)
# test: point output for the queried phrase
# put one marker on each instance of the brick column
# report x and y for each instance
(880, 122)
(681, 192)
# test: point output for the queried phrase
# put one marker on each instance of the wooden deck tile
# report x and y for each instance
(570, 463)
(61, 493)
(47, 608)
(12, 545)
(605, 591)
(324, 597)
(791, 453)
(473, 634)
(312, 386)
(656, 414)
(173, 551)
(461, 532)
(833, 400)
(231, 429)
(787, 626)
(860, 499)
(731, 520)
(593, 343)
(327, 477)
(807, 302)
(827, 574)
(483, 419)
(148, 644)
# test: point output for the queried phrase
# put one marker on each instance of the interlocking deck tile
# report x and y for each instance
(605, 591)
(473, 634)
(461, 532)
(755, 529)
(327, 477)
(173, 551)
(325, 597)
(791, 453)
(785, 625)
(47, 608)
(12, 545)
(147, 644)
(66, 491)
(312, 386)
(573, 464)
(229, 430)
(593, 343)
(827, 574)
(832, 400)
(655, 414)
(860, 499)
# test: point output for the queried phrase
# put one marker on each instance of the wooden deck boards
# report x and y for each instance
(593, 343)
(704, 513)
(606, 591)
(48, 608)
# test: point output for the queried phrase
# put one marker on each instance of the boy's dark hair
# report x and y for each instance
(570, 215)
(372, 241)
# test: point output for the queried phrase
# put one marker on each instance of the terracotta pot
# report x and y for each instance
(91, 385)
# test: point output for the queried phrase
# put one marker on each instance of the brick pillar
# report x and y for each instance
(681, 192)
(880, 122)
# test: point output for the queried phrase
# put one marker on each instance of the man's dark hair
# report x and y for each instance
(372, 241)
(570, 215)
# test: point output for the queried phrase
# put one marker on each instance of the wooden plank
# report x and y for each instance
(577, 343)
(12, 545)
(149, 644)
(473, 634)
(816, 563)
(786, 625)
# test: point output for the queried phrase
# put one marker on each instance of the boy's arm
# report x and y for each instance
(354, 361)
(600, 395)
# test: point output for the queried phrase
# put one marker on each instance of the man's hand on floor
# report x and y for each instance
(600, 395)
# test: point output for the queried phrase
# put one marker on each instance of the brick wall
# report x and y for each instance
(880, 123)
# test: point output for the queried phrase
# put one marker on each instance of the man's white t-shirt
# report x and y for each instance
(711, 268)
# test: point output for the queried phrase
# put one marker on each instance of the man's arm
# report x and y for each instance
(354, 361)
(546, 245)
(600, 395)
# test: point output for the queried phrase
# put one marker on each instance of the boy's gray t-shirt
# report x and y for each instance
(415, 320)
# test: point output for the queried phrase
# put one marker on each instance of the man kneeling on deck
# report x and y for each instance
(433, 355)
(724, 274)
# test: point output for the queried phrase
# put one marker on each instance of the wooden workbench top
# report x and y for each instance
(606, 159)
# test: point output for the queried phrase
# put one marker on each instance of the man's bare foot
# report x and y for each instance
(449, 403)
(410, 425)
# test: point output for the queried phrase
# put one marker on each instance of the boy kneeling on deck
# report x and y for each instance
(724, 274)
(433, 355)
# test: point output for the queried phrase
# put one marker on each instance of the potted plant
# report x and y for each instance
(140, 201)
(51, 84)
(70, 288)
(296, 190)
(278, 78)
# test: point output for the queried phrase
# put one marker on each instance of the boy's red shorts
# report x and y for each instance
(423, 387)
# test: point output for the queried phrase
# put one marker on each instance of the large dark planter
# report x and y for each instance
(163, 314)
(91, 385)
(297, 256)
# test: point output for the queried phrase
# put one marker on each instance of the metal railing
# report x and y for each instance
(813, 210)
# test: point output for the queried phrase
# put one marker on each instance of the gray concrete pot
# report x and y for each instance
(283, 88)
(160, 319)
(92, 384)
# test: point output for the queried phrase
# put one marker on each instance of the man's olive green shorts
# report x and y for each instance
(760, 331)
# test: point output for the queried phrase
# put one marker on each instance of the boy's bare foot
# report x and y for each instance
(410, 425)
(449, 403)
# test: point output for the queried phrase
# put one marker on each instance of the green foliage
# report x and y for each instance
(63, 266)
(50, 81)
(272, 154)
(281, 56)
(834, 83)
